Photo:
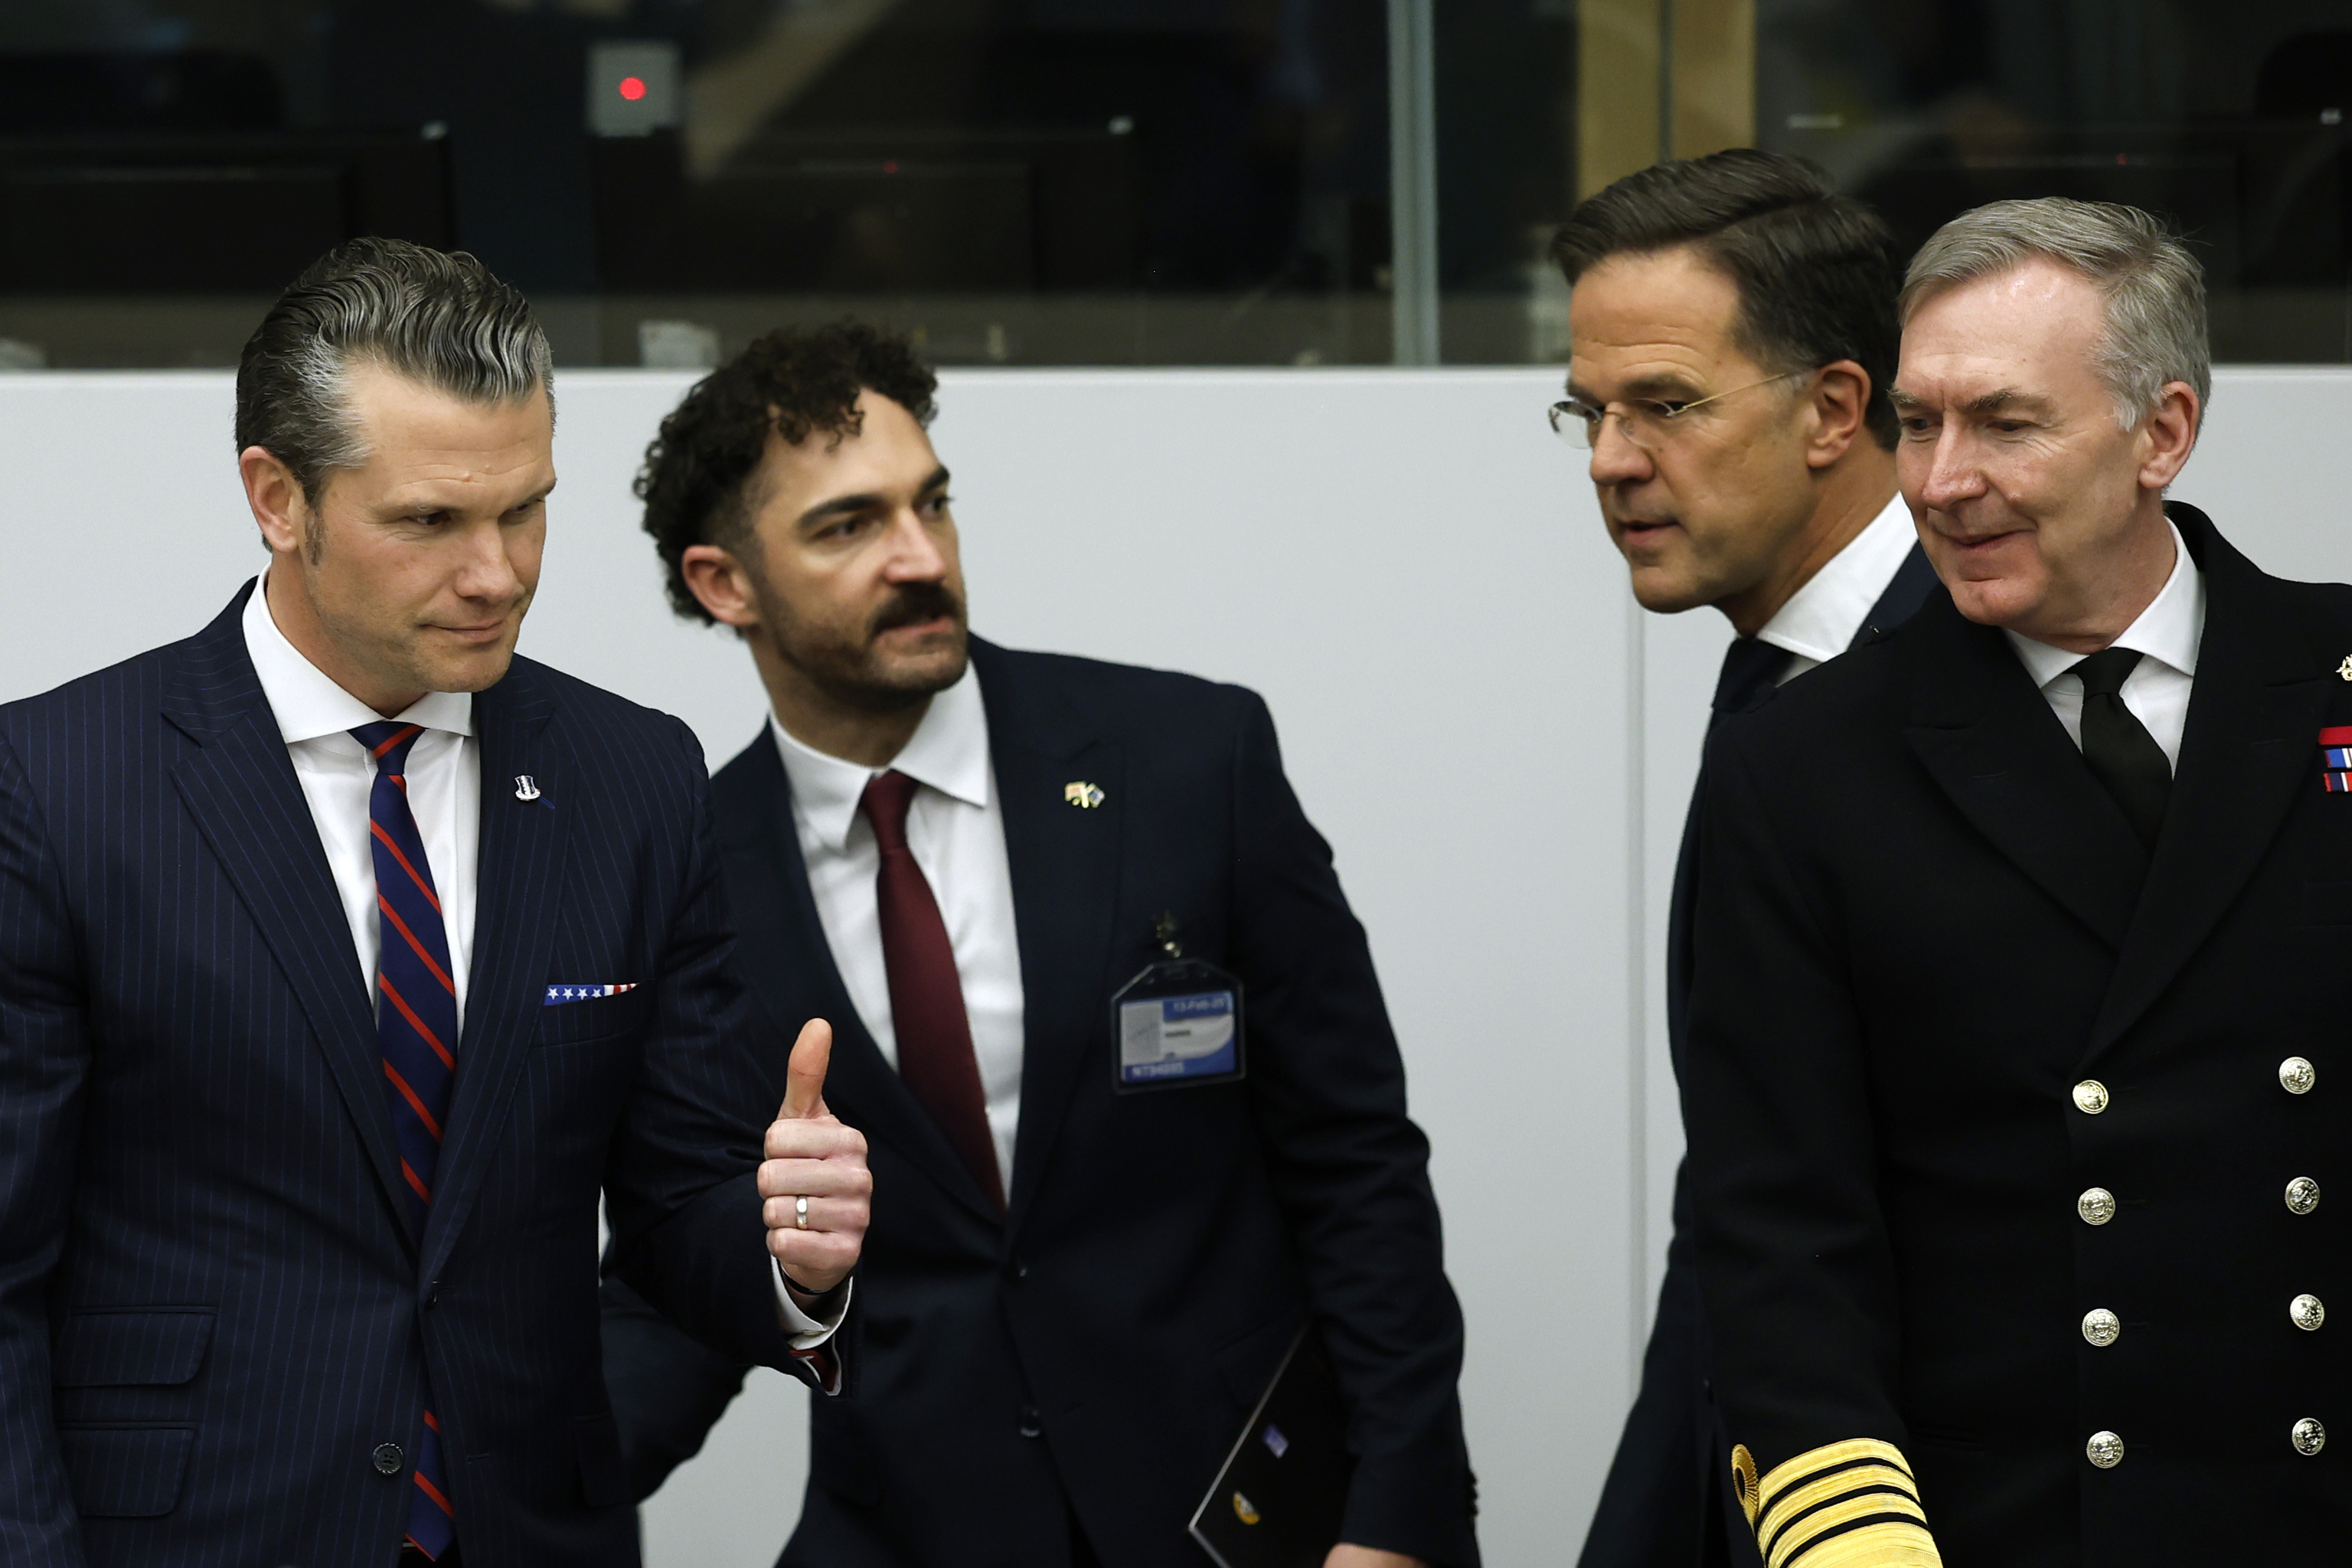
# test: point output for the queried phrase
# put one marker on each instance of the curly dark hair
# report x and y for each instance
(697, 471)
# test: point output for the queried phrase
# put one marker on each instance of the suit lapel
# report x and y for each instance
(517, 894)
(1989, 739)
(240, 785)
(2254, 711)
(781, 947)
(1064, 862)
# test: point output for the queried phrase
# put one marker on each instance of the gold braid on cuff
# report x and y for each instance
(1845, 1505)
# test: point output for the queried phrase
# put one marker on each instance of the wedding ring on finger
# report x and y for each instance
(800, 1212)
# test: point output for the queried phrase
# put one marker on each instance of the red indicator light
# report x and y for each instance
(633, 88)
(891, 167)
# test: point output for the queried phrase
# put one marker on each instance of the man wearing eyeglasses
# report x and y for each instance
(1732, 334)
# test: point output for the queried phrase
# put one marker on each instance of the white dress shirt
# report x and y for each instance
(1821, 619)
(2166, 636)
(956, 833)
(445, 795)
(444, 788)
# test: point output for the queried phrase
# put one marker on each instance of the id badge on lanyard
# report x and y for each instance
(1177, 1024)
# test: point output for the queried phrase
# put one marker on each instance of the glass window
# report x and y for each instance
(1099, 182)
(2229, 120)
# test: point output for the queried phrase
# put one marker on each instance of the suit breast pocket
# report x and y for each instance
(593, 1017)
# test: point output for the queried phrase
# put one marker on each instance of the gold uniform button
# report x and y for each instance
(2306, 1312)
(2105, 1450)
(2309, 1436)
(2090, 1097)
(2101, 1328)
(2302, 1195)
(2096, 1205)
(2296, 1076)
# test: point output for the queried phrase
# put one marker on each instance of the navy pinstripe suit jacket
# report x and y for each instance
(212, 1308)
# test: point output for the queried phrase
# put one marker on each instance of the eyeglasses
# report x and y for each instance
(1647, 422)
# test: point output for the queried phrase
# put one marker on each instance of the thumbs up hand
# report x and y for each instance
(815, 1189)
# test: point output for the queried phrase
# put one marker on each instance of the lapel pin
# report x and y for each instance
(526, 789)
(2344, 669)
(1086, 796)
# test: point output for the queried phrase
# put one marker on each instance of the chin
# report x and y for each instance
(1996, 602)
(1666, 596)
(478, 673)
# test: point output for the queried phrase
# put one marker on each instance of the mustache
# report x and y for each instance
(916, 603)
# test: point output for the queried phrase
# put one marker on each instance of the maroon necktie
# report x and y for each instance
(935, 1057)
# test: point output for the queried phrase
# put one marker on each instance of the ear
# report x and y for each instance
(2168, 434)
(721, 585)
(279, 508)
(1840, 399)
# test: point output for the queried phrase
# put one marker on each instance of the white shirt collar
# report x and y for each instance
(2168, 631)
(305, 699)
(1822, 618)
(948, 752)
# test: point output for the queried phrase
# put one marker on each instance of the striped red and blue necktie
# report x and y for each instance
(416, 1029)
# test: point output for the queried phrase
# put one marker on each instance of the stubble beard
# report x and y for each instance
(846, 667)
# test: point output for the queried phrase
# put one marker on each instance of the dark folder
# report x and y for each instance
(1278, 1502)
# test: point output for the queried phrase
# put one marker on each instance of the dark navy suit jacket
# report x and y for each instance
(1668, 1502)
(212, 1308)
(1097, 1351)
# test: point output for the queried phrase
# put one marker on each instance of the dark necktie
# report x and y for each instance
(927, 1012)
(2118, 747)
(1749, 668)
(417, 1031)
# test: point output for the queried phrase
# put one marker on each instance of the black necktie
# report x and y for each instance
(1749, 668)
(2118, 747)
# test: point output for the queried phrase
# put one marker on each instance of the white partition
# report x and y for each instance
(1409, 568)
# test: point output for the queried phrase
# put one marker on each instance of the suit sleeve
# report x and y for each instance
(45, 1056)
(680, 1185)
(1794, 1256)
(1349, 1168)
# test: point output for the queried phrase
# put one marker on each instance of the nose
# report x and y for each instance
(487, 572)
(1945, 474)
(916, 555)
(1615, 459)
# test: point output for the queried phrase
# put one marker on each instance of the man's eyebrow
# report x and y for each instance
(866, 500)
(841, 506)
(1665, 387)
(1993, 402)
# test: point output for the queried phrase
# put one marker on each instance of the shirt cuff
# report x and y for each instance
(806, 1332)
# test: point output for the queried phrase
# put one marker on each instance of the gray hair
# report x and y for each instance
(437, 317)
(2155, 316)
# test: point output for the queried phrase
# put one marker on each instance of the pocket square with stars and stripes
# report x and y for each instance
(559, 995)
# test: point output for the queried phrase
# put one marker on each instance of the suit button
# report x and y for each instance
(2302, 1195)
(2296, 1076)
(2090, 1097)
(2309, 1436)
(1020, 1270)
(2101, 1328)
(2104, 1450)
(1032, 1425)
(387, 1458)
(433, 1295)
(2096, 1205)
(2305, 1312)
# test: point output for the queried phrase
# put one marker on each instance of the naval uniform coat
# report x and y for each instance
(1945, 1007)
(1095, 1351)
(216, 1319)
